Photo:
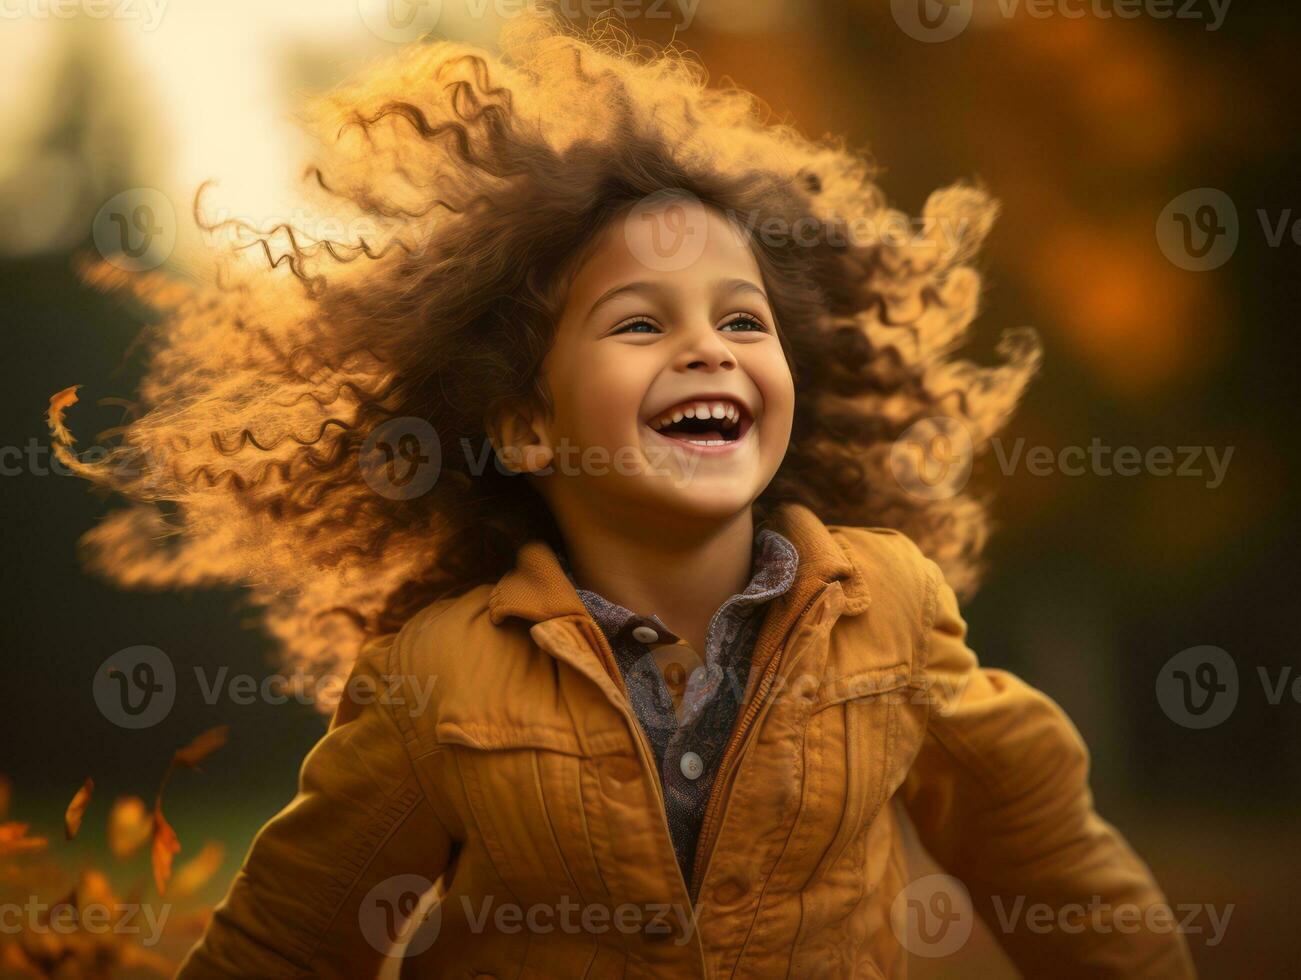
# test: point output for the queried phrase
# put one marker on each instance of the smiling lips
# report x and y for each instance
(703, 422)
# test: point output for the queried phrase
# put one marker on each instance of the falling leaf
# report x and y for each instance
(129, 826)
(14, 840)
(45, 914)
(138, 956)
(16, 963)
(194, 874)
(166, 846)
(94, 889)
(77, 808)
(58, 404)
(202, 747)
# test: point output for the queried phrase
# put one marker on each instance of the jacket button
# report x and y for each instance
(644, 634)
(691, 765)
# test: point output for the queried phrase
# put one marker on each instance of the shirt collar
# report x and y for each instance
(773, 567)
(537, 588)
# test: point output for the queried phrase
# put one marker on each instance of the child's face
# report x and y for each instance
(648, 337)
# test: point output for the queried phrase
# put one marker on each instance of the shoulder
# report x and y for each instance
(886, 542)
(445, 650)
(447, 634)
(890, 565)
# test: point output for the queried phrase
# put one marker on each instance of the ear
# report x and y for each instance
(519, 436)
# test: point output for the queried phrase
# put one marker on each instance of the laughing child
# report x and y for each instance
(583, 469)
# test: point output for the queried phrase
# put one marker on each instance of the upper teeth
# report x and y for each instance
(729, 413)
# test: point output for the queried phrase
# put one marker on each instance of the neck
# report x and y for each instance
(681, 574)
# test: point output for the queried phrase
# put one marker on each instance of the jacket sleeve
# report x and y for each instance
(305, 903)
(1000, 797)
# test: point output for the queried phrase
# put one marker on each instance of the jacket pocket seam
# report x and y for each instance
(492, 738)
(400, 804)
(870, 793)
(868, 683)
(497, 855)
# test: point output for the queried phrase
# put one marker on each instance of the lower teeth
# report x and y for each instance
(711, 438)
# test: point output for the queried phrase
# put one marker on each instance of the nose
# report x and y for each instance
(704, 350)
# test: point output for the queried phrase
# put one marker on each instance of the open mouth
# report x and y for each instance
(703, 422)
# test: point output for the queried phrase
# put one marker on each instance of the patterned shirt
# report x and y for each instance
(688, 705)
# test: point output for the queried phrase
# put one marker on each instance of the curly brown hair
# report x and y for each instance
(490, 177)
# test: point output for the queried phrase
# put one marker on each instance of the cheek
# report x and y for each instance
(601, 403)
(775, 383)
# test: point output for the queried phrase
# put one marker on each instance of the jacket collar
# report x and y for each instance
(537, 588)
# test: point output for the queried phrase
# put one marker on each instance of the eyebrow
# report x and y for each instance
(723, 285)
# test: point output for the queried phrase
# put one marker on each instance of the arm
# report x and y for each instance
(1000, 797)
(359, 818)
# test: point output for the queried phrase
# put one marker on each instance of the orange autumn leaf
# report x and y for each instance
(94, 889)
(14, 840)
(44, 915)
(129, 825)
(77, 808)
(16, 962)
(58, 404)
(138, 956)
(166, 846)
(202, 747)
(194, 874)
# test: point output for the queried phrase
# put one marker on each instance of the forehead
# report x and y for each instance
(679, 244)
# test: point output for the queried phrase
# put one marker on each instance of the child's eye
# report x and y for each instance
(745, 324)
(632, 327)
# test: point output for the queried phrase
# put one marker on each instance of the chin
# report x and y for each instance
(699, 503)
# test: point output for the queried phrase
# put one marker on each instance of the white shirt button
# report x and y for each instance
(691, 765)
(644, 634)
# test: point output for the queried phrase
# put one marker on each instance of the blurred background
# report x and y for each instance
(1106, 136)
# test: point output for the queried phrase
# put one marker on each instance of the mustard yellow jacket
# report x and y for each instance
(488, 751)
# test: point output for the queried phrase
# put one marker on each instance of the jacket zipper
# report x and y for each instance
(648, 755)
(709, 823)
